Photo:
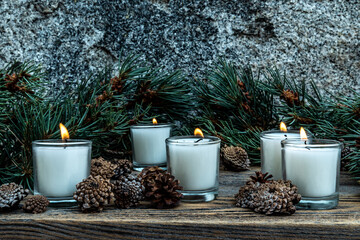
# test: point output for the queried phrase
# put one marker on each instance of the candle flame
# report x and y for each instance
(64, 132)
(198, 132)
(155, 121)
(283, 127)
(303, 134)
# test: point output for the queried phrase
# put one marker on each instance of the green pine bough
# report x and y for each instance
(329, 117)
(233, 103)
(236, 105)
(100, 108)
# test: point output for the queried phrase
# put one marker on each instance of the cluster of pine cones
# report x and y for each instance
(11, 194)
(268, 196)
(112, 182)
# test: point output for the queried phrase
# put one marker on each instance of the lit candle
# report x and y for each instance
(148, 144)
(270, 142)
(313, 166)
(194, 161)
(59, 165)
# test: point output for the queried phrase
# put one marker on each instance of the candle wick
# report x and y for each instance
(198, 140)
(305, 142)
(285, 135)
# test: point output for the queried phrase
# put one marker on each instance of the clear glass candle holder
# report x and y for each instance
(314, 167)
(148, 145)
(270, 144)
(194, 161)
(60, 165)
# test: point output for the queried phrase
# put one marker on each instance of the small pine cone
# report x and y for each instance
(161, 188)
(277, 197)
(290, 97)
(260, 177)
(268, 196)
(36, 204)
(235, 158)
(10, 196)
(103, 98)
(117, 84)
(148, 174)
(128, 191)
(123, 167)
(99, 166)
(93, 193)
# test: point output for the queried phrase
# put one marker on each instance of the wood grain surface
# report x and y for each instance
(218, 219)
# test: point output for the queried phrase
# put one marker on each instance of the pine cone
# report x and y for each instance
(123, 167)
(10, 196)
(14, 84)
(235, 158)
(103, 98)
(99, 166)
(260, 177)
(161, 188)
(117, 84)
(268, 196)
(148, 174)
(36, 204)
(290, 97)
(93, 193)
(128, 191)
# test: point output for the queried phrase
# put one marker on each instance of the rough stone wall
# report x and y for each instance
(316, 39)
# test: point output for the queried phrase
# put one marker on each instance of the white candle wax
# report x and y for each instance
(149, 143)
(195, 165)
(59, 169)
(312, 170)
(271, 151)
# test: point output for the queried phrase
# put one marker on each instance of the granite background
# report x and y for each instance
(315, 39)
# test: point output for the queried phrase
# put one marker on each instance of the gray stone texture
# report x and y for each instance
(310, 39)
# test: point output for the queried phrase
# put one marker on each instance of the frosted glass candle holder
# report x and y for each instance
(59, 166)
(270, 142)
(314, 168)
(194, 161)
(148, 145)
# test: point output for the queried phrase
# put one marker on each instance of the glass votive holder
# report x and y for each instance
(314, 167)
(58, 166)
(148, 145)
(270, 144)
(194, 161)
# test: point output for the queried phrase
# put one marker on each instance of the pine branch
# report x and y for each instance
(165, 94)
(234, 107)
(327, 117)
(100, 108)
(234, 95)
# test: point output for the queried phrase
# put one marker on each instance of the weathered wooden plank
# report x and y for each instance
(133, 230)
(217, 219)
